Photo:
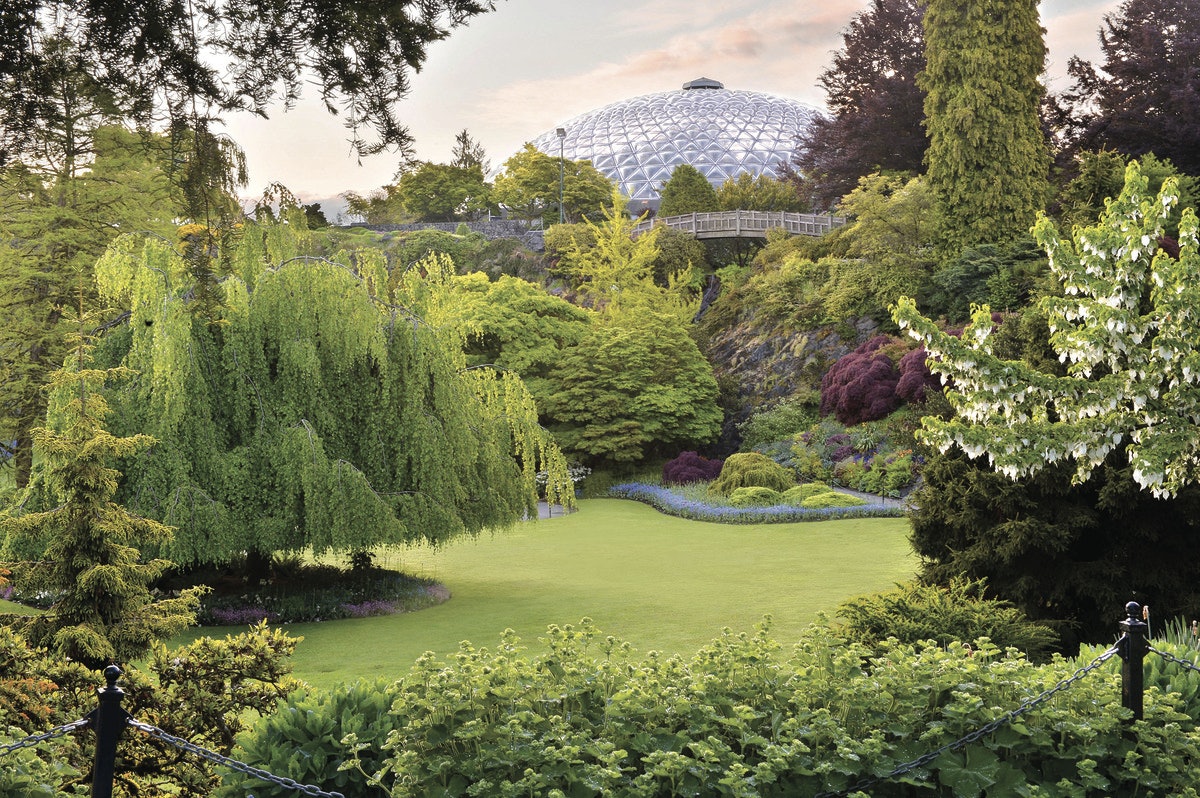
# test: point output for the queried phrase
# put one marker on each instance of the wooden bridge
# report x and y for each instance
(744, 224)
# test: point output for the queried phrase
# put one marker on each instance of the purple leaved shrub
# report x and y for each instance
(690, 467)
(915, 377)
(861, 386)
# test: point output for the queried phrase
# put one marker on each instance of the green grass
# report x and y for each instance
(658, 582)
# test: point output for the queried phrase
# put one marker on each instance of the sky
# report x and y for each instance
(532, 65)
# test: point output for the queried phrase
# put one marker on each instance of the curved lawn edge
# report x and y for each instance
(668, 502)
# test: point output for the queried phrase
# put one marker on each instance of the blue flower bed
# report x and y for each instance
(672, 502)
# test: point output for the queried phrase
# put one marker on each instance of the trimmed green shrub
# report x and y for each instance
(832, 499)
(913, 612)
(312, 733)
(806, 491)
(755, 497)
(751, 470)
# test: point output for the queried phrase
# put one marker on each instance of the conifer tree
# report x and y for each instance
(687, 191)
(103, 610)
(987, 160)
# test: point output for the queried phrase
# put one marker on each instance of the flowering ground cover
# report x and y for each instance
(695, 506)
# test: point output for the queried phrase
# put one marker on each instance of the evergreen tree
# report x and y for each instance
(56, 217)
(638, 387)
(987, 160)
(687, 191)
(1145, 96)
(749, 192)
(874, 102)
(103, 611)
(468, 153)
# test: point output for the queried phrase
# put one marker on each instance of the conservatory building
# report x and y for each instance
(721, 132)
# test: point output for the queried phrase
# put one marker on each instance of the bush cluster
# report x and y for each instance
(745, 716)
(206, 692)
(871, 458)
(861, 386)
(690, 467)
(913, 612)
(751, 470)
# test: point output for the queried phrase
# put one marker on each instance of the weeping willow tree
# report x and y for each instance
(313, 406)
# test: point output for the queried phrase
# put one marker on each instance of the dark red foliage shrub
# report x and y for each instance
(861, 386)
(915, 377)
(690, 467)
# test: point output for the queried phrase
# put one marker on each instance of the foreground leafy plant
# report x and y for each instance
(748, 717)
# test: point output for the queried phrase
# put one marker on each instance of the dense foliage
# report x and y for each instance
(861, 386)
(762, 192)
(687, 191)
(987, 161)
(875, 107)
(90, 561)
(960, 611)
(55, 220)
(690, 467)
(751, 470)
(1062, 553)
(1145, 96)
(638, 386)
(531, 180)
(746, 716)
(1004, 277)
(151, 56)
(312, 407)
(1126, 329)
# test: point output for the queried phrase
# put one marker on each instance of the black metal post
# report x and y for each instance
(108, 721)
(1133, 651)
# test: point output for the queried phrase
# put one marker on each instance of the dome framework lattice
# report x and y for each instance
(721, 132)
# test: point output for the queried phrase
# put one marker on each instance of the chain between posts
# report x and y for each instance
(981, 732)
(232, 764)
(34, 739)
(1191, 666)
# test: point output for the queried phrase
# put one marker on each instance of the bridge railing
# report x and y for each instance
(743, 224)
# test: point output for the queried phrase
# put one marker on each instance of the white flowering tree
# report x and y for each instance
(1127, 326)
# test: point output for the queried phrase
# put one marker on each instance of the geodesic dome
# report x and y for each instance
(721, 132)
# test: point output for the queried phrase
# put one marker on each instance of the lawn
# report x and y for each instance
(658, 582)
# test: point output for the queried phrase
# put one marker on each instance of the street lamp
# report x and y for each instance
(562, 137)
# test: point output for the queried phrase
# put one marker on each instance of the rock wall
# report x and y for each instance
(766, 364)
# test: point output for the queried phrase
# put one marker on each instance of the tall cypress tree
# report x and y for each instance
(987, 161)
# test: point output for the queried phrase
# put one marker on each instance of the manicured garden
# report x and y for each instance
(658, 582)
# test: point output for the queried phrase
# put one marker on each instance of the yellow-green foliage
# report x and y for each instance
(806, 491)
(831, 499)
(751, 469)
(321, 404)
(755, 497)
